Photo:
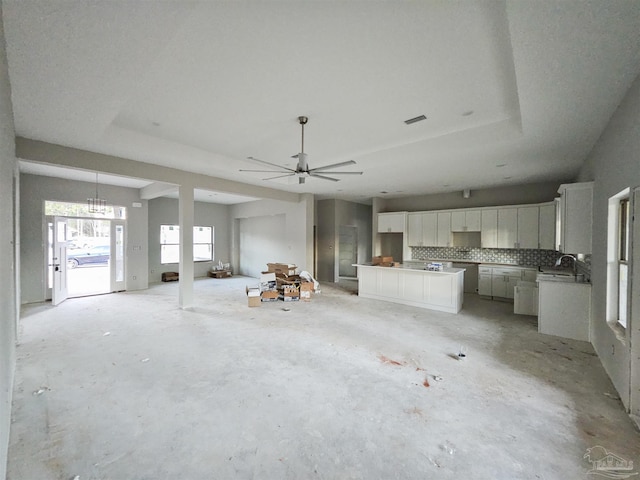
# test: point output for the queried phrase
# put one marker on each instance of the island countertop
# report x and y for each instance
(435, 290)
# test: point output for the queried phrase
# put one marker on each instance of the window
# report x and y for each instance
(170, 244)
(618, 240)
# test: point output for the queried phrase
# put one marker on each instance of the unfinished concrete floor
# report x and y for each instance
(128, 386)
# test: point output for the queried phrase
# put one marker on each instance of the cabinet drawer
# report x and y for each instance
(487, 270)
(508, 272)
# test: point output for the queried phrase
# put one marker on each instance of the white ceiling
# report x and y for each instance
(514, 92)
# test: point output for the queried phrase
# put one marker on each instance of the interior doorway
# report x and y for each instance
(347, 251)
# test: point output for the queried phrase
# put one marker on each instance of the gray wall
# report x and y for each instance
(613, 165)
(36, 189)
(510, 195)
(262, 241)
(164, 211)
(331, 214)
(9, 250)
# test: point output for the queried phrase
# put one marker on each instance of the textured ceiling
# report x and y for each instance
(514, 92)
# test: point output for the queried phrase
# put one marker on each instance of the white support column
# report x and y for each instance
(186, 247)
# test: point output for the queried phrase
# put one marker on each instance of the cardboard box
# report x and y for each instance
(285, 268)
(306, 288)
(268, 281)
(219, 273)
(170, 276)
(270, 295)
(289, 293)
(389, 264)
(253, 296)
(381, 260)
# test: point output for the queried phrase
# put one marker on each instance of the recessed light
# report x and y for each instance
(383, 192)
(500, 165)
(446, 185)
(415, 119)
(467, 113)
(155, 124)
(508, 178)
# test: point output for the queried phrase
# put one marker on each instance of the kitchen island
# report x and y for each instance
(442, 291)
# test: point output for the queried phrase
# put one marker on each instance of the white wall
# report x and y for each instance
(9, 250)
(36, 189)
(298, 230)
(164, 211)
(262, 240)
(613, 165)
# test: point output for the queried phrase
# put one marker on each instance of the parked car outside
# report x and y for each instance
(94, 255)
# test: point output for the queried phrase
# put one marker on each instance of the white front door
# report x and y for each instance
(59, 261)
(117, 256)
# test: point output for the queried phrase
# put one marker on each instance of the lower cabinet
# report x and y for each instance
(501, 281)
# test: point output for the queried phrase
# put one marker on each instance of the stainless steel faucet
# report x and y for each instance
(575, 264)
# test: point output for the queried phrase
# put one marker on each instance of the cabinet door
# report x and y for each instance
(444, 229)
(529, 275)
(414, 229)
(528, 227)
(473, 221)
(484, 284)
(577, 201)
(510, 286)
(429, 229)
(498, 286)
(547, 227)
(458, 221)
(507, 227)
(391, 222)
(489, 232)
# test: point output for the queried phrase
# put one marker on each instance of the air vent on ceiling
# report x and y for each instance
(415, 119)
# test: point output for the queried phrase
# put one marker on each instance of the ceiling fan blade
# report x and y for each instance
(315, 175)
(341, 164)
(338, 173)
(280, 176)
(260, 171)
(270, 164)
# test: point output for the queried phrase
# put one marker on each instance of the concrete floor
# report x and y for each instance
(128, 386)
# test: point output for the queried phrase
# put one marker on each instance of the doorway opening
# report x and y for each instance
(85, 251)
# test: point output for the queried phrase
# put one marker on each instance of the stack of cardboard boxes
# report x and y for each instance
(280, 282)
(384, 262)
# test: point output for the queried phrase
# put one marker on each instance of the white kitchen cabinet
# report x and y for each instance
(465, 221)
(393, 222)
(564, 309)
(489, 231)
(422, 229)
(528, 226)
(575, 209)
(547, 227)
(507, 227)
(484, 282)
(444, 229)
(501, 281)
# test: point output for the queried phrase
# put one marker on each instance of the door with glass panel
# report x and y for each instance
(117, 260)
(58, 261)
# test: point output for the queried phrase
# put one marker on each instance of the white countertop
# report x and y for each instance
(404, 266)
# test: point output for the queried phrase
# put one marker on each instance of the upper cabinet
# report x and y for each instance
(507, 227)
(575, 217)
(465, 221)
(393, 222)
(422, 229)
(547, 227)
(528, 227)
(444, 238)
(489, 232)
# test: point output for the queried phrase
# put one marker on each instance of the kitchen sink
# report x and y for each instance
(560, 277)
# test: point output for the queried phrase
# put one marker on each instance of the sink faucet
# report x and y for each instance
(575, 265)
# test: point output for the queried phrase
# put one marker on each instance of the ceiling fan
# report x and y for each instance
(302, 170)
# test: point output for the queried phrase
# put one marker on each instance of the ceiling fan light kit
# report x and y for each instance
(302, 170)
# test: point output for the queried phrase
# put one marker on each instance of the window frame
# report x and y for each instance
(211, 243)
(618, 262)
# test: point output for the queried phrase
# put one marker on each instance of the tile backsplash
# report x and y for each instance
(543, 258)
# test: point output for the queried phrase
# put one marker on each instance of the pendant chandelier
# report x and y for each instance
(97, 204)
